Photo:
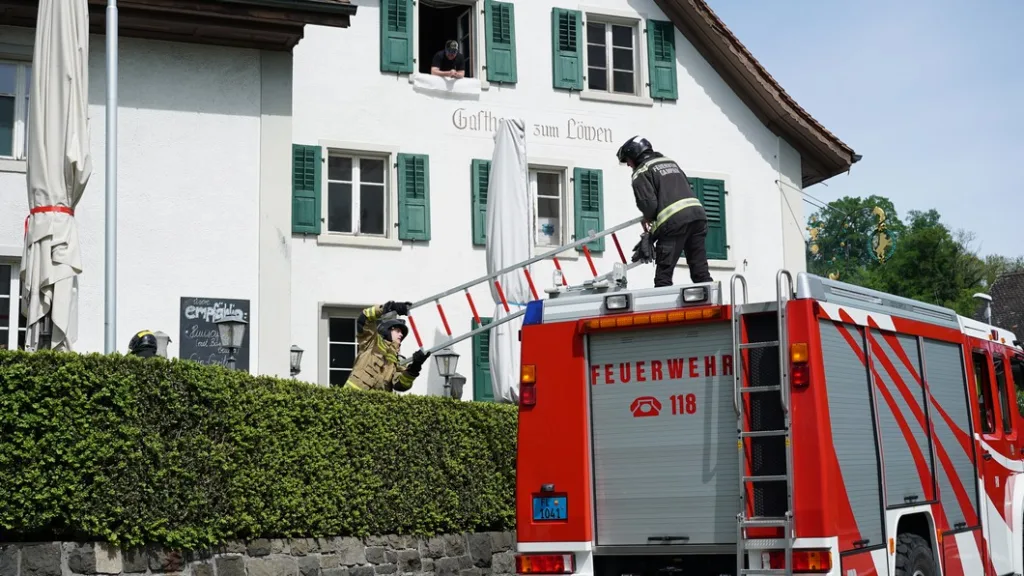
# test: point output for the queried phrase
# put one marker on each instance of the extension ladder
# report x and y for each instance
(761, 383)
(493, 278)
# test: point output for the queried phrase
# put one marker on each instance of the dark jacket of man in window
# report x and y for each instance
(449, 63)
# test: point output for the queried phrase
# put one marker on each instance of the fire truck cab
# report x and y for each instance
(835, 430)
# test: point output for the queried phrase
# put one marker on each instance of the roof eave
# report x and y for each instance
(276, 25)
(823, 155)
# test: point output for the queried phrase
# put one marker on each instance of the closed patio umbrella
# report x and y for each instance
(508, 242)
(59, 166)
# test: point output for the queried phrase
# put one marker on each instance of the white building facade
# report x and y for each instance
(304, 181)
(203, 169)
(391, 164)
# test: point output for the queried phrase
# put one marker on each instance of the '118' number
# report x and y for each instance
(684, 403)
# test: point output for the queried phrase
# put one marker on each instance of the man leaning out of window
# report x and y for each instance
(449, 63)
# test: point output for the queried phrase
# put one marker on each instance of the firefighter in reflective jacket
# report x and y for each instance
(380, 333)
(678, 221)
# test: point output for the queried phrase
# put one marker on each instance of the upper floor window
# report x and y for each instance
(414, 34)
(612, 57)
(357, 195)
(15, 79)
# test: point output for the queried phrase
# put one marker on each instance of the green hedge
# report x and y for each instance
(133, 450)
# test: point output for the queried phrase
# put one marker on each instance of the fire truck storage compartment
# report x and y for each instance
(664, 435)
(871, 379)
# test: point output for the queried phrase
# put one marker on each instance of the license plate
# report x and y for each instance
(549, 508)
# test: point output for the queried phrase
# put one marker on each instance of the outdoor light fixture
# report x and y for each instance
(446, 360)
(296, 360)
(232, 333)
(458, 382)
(162, 340)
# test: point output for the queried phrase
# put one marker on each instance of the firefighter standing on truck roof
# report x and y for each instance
(380, 333)
(678, 221)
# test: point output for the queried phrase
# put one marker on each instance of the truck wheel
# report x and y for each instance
(914, 557)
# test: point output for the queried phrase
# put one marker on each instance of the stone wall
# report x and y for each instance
(482, 554)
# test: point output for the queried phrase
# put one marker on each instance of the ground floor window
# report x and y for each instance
(341, 347)
(12, 322)
(547, 188)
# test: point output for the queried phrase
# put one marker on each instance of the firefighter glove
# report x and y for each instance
(402, 308)
(419, 357)
(644, 249)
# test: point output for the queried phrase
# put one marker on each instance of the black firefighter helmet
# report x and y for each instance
(142, 344)
(389, 321)
(632, 149)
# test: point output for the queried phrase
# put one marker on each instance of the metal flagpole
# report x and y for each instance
(110, 246)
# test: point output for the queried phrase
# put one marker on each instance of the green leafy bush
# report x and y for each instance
(133, 450)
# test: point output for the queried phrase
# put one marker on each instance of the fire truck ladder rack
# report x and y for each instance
(493, 279)
(745, 522)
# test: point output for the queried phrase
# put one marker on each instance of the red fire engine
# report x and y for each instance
(836, 430)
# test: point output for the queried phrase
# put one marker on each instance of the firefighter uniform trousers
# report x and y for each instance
(376, 366)
(689, 241)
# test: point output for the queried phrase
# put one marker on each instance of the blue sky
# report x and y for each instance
(930, 92)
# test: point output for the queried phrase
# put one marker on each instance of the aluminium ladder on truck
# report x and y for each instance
(749, 381)
(493, 279)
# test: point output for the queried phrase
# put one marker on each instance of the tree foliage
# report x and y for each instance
(930, 262)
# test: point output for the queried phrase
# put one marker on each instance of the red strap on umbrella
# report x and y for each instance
(41, 209)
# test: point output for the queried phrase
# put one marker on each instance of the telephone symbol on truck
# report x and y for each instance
(645, 406)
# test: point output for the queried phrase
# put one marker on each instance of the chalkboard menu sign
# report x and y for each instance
(198, 336)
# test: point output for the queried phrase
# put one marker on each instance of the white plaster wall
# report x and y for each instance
(188, 186)
(341, 95)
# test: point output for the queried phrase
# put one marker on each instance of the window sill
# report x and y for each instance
(331, 239)
(438, 86)
(10, 165)
(617, 98)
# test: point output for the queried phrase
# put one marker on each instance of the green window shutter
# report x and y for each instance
(661, 59)
(711, 194)
(413, 197)
(482, 389)
(588, 192)
(396, 36)
(481, 174)
(567, 49)
(500, 20)
(306, 167)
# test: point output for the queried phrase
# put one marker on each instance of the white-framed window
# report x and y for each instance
(342, 345)
(358, 199)
(613, 61)
(548, 192)
(615, 56)
(15, 79)
(12, 323)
